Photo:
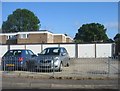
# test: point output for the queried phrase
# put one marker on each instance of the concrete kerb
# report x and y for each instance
(58, 86)
(64, 86)
(35, 75)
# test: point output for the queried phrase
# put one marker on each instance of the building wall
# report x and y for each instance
(68, 40)
(63, 39)
(34, 38)
(3, 39)
(59, 39)
(38, 38)
(21, 40)
(49, 38)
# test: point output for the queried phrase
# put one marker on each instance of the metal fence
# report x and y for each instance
(78, 68)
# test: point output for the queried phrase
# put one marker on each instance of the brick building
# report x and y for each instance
(42, 36)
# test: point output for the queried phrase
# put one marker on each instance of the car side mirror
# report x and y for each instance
(39, 54)
(34, 55)
(63, 54)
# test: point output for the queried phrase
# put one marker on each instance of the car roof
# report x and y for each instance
(54, 47)
(18, 49)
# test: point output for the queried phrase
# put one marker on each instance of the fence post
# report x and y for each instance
(58, 45)
(8, 47)
(95, 50)
(25, 46)
(41, 47)
(53, 67)
(109, 59)
(76, 50)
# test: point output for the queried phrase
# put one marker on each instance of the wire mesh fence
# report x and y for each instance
(91, 68)
(82, 67)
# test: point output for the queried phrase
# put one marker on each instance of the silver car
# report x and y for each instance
(52, 58)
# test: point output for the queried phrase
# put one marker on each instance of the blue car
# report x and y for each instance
(17, 59)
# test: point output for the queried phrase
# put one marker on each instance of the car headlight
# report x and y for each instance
(55, 59)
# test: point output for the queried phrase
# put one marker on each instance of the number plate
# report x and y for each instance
(10, 65)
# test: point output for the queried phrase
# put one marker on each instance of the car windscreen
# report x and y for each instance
(13, 53)
(51, 51)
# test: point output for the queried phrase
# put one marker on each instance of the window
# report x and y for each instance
(13, 53)
(11, 37)
(30, 52)
(23, 36)
(26, 52)
(62, 51)
(65, 51)
(51, 51)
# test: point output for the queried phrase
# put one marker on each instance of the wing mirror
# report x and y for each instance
(39, 54)
(34, 55)
(63, 54)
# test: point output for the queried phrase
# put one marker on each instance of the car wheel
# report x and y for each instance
(68, 64)
(3, 68)
(61, 67)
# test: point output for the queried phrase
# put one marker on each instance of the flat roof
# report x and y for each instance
(69, 37)
(34, 32)
(27, 32)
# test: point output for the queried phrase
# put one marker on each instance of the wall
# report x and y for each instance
(34, 38)
(57, 38)
(3, 50)
(49, 38)
(74, 50)
(68, 40)
(103, 50)
(70, 48)
(86, 50)
(35, 48)
(3, 39)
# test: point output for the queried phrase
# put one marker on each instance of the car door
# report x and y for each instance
(63, 56)
(27, 56)
(31, 62)
(66, 56)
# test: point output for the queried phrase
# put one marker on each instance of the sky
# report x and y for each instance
(68, 17)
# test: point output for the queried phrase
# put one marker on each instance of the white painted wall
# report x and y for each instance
(49, 45)
(86, 50)
(17, 47)
(70, 48)
(35, 48)
(103, 50)
(3, 50)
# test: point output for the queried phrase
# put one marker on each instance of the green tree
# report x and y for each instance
(91, 32)
(110, 41)
(21, 20)
(117, 42)
(117, 36)
(0, 30)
